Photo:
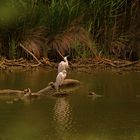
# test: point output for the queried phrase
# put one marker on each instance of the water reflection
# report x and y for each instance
(62, 117)
(116, 116)
(22, 80)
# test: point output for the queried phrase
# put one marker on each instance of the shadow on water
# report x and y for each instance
(76, 117)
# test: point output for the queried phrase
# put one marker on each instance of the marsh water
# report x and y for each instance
(115, 116)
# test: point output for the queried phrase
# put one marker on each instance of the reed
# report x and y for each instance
(110, 22)
(80, 28)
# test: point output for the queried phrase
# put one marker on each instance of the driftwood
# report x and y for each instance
(15, 62)
(99, 62)
(20, 63)
(47, 91)
(81, 65)
(129, 64)
(119, 64)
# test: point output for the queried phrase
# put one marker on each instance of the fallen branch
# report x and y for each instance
(60, 53)
(46, 61)
(62, 56)
(128, 64)
(2, 63)
(21, 45)
(109, 62)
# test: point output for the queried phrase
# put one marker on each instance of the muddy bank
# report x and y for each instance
(81, 65)
(104, 64)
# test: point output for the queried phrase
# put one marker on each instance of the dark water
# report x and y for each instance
(116, 116)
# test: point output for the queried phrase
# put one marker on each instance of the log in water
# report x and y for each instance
(68, 83)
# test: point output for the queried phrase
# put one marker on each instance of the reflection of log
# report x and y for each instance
(11, 92)
(49, 90)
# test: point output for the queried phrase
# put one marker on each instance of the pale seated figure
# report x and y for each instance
(60, 79)
(63, 65)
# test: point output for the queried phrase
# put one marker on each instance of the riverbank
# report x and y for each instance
(88, 65)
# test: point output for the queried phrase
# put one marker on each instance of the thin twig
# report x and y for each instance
(1, 63)
(62, 56)
(60, 53)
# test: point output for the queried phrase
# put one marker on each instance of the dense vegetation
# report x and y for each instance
(80, 28)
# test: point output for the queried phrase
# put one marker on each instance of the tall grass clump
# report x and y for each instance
(109, 22)
(44, 27)
(24, 26)
(64, 27)
(75, 27)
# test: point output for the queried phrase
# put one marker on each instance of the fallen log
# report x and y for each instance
(68, 83)
(49, 90)
(14, 92)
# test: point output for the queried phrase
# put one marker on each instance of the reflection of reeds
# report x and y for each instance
(62, 117)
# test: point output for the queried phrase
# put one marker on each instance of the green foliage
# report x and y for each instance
(58, 24)
(24, 26)
(79, 51)
(12, 49)
(108, 21)
(61, 14)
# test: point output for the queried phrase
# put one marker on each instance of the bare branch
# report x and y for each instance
(21, 45)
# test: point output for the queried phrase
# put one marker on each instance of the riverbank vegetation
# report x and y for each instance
(37, 29)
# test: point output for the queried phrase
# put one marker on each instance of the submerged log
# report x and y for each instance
(48, 90)
(67, 84)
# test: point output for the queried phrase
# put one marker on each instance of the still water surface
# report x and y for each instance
(116, 116)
